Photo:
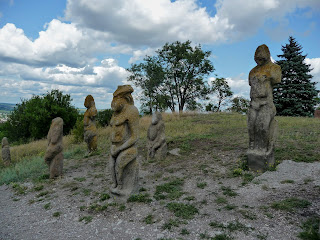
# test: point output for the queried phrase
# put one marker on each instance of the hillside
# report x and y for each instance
(206, 193)
(7, 106)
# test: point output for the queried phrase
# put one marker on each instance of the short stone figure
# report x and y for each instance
(89, 123)
(6, 157)
(262, 126)
(157, 145)
(54, 155)
(124, 166)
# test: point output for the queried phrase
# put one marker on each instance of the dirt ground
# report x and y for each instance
(76, 206)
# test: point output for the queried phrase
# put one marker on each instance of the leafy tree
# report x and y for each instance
(239, 105)
(174, 77)
(149, 76)
(104, 117)
(296, 95)
(32, 118)
(222, 90)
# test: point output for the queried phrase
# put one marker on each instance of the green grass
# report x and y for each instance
(170, 224)
(287, 181)
(231, 226)
(184, 231)
(86, 219)
(221, 200)
(29, 168)
(148, 219)
(290, 204)
(56, 214)
(104, 196)
(201, 185)
(310, 229)
(171, 190)
(181, 210)
(228, 191)
(47, 206)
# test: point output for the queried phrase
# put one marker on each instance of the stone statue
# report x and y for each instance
(124, 165)
(89, 123)
(54, 155)
(157, 146)
(6, 157)
(262, 126)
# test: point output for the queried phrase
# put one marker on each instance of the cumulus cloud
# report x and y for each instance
(151, 23)
(315, 72)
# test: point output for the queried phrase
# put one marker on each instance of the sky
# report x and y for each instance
(84, 47)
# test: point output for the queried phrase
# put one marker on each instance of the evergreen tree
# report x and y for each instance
(296, 95)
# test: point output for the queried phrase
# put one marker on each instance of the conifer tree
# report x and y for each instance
(296, 95)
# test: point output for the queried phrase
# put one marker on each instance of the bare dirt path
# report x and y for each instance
(77, 206)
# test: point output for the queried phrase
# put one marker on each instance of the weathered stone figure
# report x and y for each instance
(6, 157)
(157, 145)
(261, 123)
(54, 155)
(89, 123)
(124, 165)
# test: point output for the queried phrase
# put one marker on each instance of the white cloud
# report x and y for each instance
(140, 54)
(315, 66)
(151, 23)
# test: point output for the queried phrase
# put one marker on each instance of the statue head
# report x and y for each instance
(5, 142)
(156, 117)
(121, 97)
(262, 55)
(89, 102)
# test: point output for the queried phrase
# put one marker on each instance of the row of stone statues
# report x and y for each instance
(124, 166)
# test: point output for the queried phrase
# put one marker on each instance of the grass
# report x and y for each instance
(148, 219)
(228, 191)
(231, 226)
(221, 200)
(290, 204)
(104, 196)
(297, 139)
(181, 210)
(201, 185)
(170, 224)
(56, 214)
(31, 168)
(86, 219)
(310, 229)
(171, 190)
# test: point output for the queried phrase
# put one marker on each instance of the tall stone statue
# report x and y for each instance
(6, 157)
(157, 146)
(54, 155)
(124, 165)
(89, 123)
(262, 126)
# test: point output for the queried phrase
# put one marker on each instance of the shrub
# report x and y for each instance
(104, 117)
(32, 118)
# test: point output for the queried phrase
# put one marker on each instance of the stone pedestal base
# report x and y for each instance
(130, 183)
(260, 160)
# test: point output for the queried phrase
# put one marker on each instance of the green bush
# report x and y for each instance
(32, 118)
(78, 130)
(104, 117)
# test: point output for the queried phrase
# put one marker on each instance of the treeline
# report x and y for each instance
(175, 79)
(31, 119)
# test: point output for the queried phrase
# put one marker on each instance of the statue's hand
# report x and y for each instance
(114, 150)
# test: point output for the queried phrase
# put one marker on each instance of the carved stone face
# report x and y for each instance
(89, 101)
(118, 103)
(262, 55)
(156, 117)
